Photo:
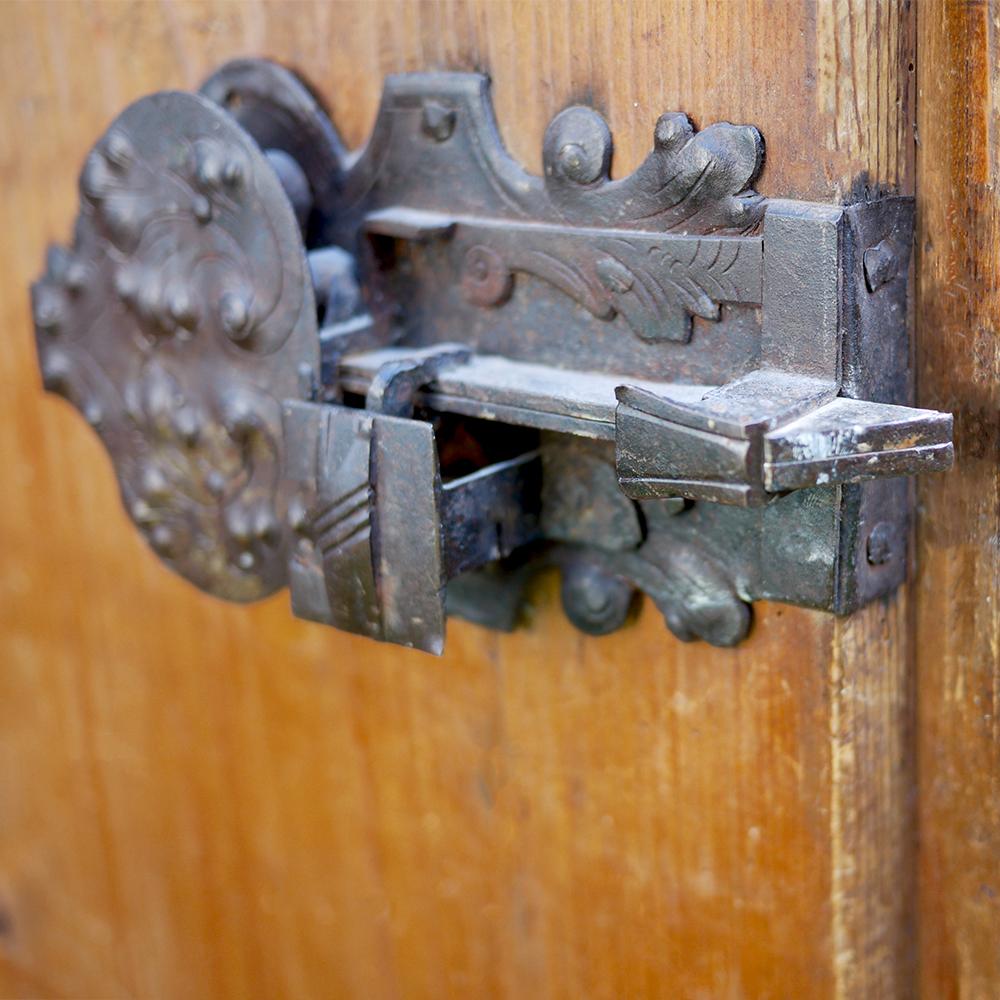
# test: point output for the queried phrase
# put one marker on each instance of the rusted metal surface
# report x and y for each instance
(406, 379)
(178, 320)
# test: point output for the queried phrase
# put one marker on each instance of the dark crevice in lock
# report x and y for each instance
(466, 445)
(355, 400)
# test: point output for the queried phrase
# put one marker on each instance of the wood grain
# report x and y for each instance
(958, 598)
(198, 800)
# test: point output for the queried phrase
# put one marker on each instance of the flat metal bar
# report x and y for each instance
(802, 291)
(757, 401)
(517, 392)
(850, 440)
(729, 267)
(406, 533)
(489, 513)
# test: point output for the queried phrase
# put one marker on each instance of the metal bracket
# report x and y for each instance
(404, 380)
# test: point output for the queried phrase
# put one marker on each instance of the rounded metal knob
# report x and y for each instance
(177, 322)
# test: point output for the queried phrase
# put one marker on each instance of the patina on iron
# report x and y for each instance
(403, 381)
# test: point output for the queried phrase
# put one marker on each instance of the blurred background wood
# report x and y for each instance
(958, 593)
(198, 800)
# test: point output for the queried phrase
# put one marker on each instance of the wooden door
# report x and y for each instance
(200, 800)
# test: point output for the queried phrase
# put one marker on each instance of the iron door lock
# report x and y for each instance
(402, 380)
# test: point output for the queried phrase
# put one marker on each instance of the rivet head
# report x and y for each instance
(47, 310)
(187, 426)
(265, 526)
(202, 209)
(437, 121)
(126, 284)
(93, 413)
(233, 172)
(215, 482)
(486, 279)
(234, 312)
(94, 180)
(162, 540)
(573, 163)
(882, 543)
(56, 369)
(577, 146)
(880, 265)
(118, 150)
(154, 484)
(238, 525)
(121, 218)
(76, 276)
(181, 309)
(142, 513)
(209, 170)
(298, 514)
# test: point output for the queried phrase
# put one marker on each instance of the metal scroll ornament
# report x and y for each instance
(402, 381)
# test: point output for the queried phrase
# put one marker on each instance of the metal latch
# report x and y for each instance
(403, 380)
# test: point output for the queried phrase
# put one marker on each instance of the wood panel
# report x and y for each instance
(958, 599)
(202, 801)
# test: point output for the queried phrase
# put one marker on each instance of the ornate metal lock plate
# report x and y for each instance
(403, 380)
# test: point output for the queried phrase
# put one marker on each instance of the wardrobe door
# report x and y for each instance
(201, 800)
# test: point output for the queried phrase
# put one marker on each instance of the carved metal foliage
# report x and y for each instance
(591, 237)
(690, 182)
(180, 316)
(655, 285)
(607, 548)
(612, 547)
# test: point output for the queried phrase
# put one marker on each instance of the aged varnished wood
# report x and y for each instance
(200, 801)
(958, 595)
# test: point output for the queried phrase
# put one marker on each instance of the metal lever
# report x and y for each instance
(382, 534)
(401, 381)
